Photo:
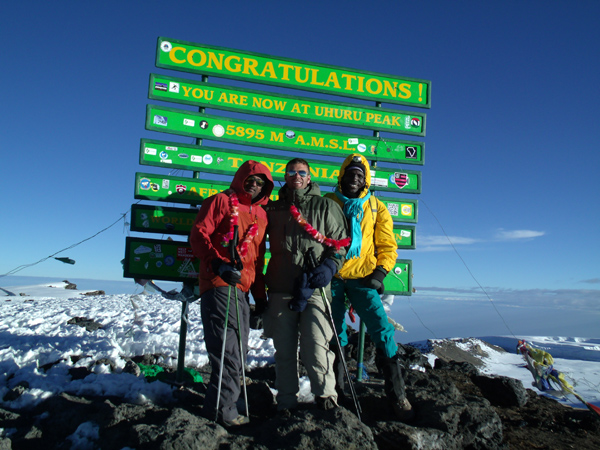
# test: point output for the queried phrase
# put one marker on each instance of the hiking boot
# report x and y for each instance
(403, 410)
(238, 421)
(326, 403)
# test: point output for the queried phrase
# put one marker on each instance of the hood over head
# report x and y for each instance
(247, 169)
(357, 161)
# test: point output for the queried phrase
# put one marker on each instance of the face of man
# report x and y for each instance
(294, 178)
(253, 185)
(353, 182)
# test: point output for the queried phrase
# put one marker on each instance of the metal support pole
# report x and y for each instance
(182, 338)
(361, 351)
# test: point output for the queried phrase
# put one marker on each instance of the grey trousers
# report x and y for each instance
(313, 330)
(213, 306)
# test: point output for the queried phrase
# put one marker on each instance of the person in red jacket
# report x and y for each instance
(228, 238)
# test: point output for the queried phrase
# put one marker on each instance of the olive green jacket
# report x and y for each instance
(289, 241)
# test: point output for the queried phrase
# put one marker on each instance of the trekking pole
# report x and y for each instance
(312, 260)
(242, 358)
(222, 355)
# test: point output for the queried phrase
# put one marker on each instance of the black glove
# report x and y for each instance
(375, 280)
(260, 305)
(301, 295)
(321, 275)
(227, 272)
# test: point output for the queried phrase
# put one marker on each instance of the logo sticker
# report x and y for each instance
(196, 158)
(142, 249)
(401, 179)
(150, 151)
(171, 148)
(361, 148)
(353, 141)
(154, 187)
(183, 155)
(397, 270)
(203, 124)
(173, 87)
(406, 210)
(169, 261)
(290, 134)
(189, 122)
(411, 153)
(208, 159)
(166, 46)
(405, 233)
(180, 188)
(164, 155)
(218, 130)
(160, 120)
(219, 160)
(160, 86)
(373, 149)
(415, 122)
(145, 184)
(165, 184)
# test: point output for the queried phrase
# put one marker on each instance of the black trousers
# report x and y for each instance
(213, 308)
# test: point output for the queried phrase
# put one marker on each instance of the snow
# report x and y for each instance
(34, 332)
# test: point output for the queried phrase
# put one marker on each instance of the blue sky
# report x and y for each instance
(512, 156)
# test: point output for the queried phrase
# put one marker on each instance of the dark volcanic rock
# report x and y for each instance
(456, 408)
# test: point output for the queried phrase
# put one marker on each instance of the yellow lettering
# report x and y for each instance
(389, 89)
(280, 168)
(335, 174)
(316, 142)
(213, 191)
(370, 116)
(386, 120)
(370, 82)
(276, 137)
(333, 79)
(279, 105)
(360, 84)
(223, 97)
(250, 65)
(234, 98)
(297, 72)
(300, 140)
(314, 78)
(235, 162)
(269, 68)
(296, 108)
(213, 59)
(314, 171)
(187, 90)
(357, 117)
(405, 90)
(395, 121)
(286, 68)
(377, 118)
(190, 57)
(197, 93)
(268, 164)
(174, 58)
(333, 143)
(236, 67)
(305, 108)
(244, 100)
(348, 79)
(347, 114)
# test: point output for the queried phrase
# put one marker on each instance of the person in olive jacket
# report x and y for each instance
(298, 221)
(359, 283)
(221, 279)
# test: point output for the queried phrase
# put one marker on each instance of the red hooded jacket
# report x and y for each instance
(213, 223)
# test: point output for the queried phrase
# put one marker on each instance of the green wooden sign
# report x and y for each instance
(291, 73)
(166, 188)
(189, 92)
(405, 236)
(401, 209)
(227, 162)
(179, 221)
(162, 219)
(399, 280)
(294, 139)
(156, 259)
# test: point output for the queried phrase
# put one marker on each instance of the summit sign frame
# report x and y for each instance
(241, 65)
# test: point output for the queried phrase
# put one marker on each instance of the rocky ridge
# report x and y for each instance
(456, 408)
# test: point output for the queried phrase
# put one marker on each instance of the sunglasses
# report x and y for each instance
(259, 181)
(302, 173)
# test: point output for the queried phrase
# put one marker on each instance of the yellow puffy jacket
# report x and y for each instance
(378, 244)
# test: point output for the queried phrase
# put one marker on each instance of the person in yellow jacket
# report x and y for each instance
(372, 254)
